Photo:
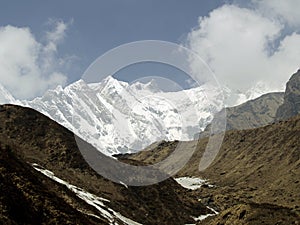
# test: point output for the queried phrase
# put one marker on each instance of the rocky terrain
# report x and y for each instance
(256, 174)
(251, 114)
(29, 197)
(291, 105)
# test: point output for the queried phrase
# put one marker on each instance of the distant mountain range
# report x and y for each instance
(265, 109)
(117, 117)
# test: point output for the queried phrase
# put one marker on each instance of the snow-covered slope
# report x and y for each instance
(5, 96)
(117, 117)
(99, 203)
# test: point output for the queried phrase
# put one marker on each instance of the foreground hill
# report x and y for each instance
(71, 192)
(258, 168)
(256, 174)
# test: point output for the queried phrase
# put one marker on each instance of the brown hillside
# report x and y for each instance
(34, 138)
(254, 167)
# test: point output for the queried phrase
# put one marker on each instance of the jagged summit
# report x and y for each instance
(117, 117)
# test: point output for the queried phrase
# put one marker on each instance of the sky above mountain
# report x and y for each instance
(247, 44)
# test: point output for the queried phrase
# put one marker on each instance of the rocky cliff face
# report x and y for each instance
(255, 113)
(251, 114)
(291, 104)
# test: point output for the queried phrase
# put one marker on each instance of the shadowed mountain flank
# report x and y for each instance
(251, 114)
(28, 137)
(291, 104)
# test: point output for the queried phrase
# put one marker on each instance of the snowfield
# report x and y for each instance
(117, 117)
(192, 183)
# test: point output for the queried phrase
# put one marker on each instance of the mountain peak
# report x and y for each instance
(150, 86)
(153, 85)
(79, 83)
(109, 78)
(111, 84)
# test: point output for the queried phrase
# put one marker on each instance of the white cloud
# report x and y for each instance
(241, 47)
(28, 67)
(57, 34)
(286, 10)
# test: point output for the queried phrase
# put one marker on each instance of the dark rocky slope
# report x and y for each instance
(257, 167)
(27, 137)
(28, 197)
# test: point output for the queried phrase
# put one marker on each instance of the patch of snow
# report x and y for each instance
(123, 184)
(215, 212)
(203, 217)
(93, 200)
(192, 183)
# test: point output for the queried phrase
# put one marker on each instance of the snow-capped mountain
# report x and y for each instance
(117, 117)
(5, 96)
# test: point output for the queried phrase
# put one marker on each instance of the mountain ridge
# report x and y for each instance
(117, 117)
(254, 113)
(291, 104)
(33, 138)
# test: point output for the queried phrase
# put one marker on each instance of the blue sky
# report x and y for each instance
(251, 46)
(98, 25)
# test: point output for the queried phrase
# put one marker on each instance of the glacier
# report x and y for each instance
(118, 117)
